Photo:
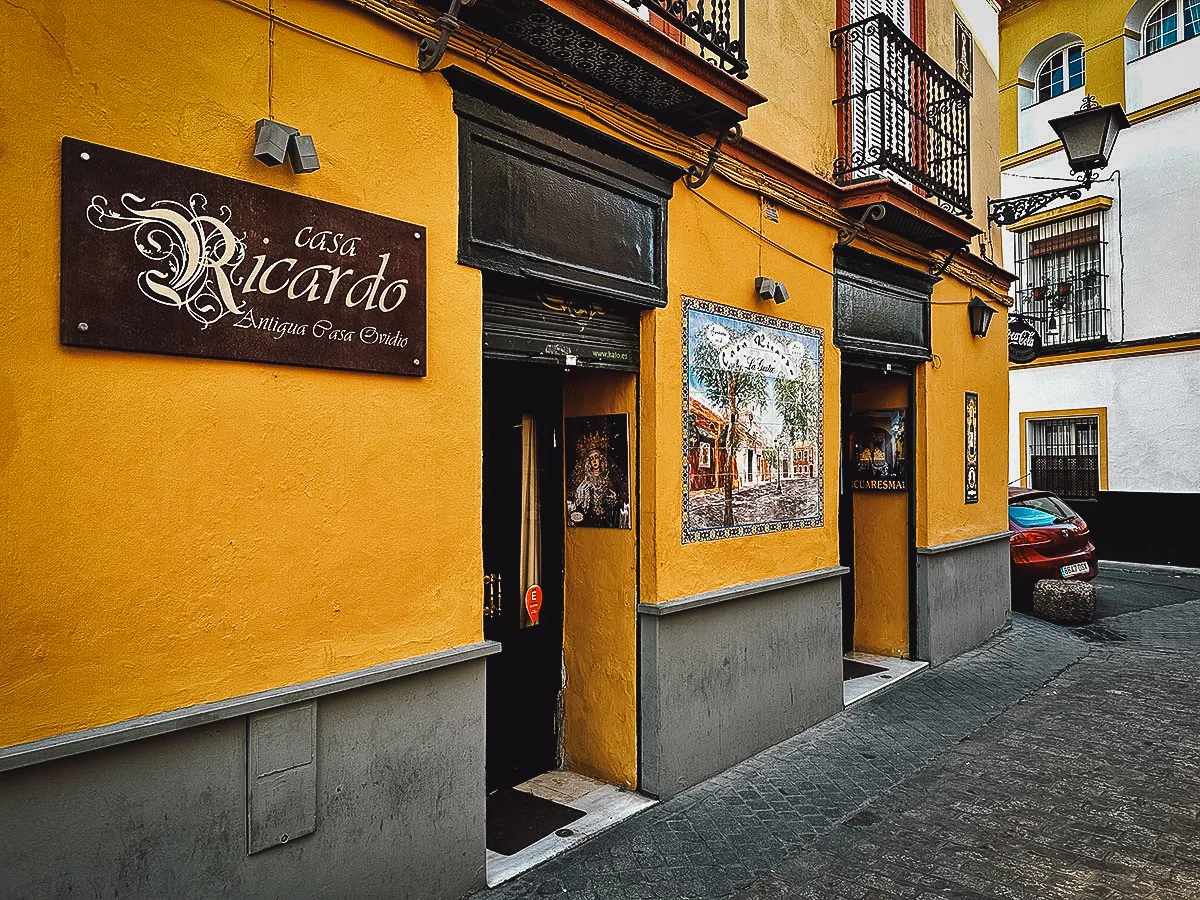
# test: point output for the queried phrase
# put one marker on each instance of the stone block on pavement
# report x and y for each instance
(1065, 602)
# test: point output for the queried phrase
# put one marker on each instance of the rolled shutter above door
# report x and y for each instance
(584, 333)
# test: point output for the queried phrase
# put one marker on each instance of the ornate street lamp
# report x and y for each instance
(1088, 137)
(981, 316)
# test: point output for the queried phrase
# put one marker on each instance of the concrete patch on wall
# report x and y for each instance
(400, 807)
(727, 674)
(963, 596)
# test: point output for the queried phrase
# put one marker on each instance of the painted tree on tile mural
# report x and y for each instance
(731, 388)
(744, 371)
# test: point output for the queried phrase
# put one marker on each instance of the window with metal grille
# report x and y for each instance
(1062, 286)
(1064, 456)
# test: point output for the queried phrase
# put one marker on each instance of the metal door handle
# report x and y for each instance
(493, 595)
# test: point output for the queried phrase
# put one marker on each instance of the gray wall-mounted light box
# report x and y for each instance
(274, 142)
(770, 289)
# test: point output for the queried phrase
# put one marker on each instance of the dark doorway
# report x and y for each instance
(522, 542)
(876, 508)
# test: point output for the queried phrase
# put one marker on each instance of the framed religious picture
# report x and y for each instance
(879, 450)
(971, 430)
(597, 450)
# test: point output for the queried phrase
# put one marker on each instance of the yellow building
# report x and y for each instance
(526, 432)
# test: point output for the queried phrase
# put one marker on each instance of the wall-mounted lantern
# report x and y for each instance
(981, 317)
(1088, 137)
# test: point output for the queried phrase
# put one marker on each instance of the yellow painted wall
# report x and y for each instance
(961, 363)
(985, 113)
(714, 258)
(177, 531)
(600, 616)
(183, 530)
(1101, 26)
(793, 65)
(881, 546)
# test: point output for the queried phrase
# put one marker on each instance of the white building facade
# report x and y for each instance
(1108, 416)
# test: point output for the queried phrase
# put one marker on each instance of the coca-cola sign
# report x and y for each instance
(1024, 342)
(163, 258)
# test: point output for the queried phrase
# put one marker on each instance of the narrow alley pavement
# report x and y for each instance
(1049, 763)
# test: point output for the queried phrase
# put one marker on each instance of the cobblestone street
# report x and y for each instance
(1050, 763)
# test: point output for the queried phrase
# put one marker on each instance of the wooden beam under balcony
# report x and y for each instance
(610, 48)
(908, 215)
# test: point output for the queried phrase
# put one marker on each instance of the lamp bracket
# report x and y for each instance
(1010, 210)
(939, 270)
(429, 53)
(695, 176)
(847, 236)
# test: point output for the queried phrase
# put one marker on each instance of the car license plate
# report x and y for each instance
(1074, 569)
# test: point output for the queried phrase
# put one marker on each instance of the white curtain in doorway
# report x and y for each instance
(531, 518)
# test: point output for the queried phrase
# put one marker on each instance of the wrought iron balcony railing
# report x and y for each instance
(682, 62)
(717, 27)
(901, 115)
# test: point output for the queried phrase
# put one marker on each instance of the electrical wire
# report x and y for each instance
(754, 180)
(808, 262)
(275, 19)
(271, 60)
(1120, 243)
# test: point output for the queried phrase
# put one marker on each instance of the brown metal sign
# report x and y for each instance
(163, 258)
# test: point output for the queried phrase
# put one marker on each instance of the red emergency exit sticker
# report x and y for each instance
(533, 602)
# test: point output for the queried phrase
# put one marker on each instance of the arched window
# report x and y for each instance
(1163, 27)
(1063, 71)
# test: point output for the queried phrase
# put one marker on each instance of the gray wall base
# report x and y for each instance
(963, 596)
(400, 807)
(723, 679)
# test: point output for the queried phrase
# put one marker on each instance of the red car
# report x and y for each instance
(1048, 540)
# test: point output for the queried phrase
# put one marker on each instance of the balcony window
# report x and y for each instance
(1062, 285)
(1062, 72)
(901, 115)
(1163, 27)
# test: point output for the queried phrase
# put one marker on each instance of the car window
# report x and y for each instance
(1030, 512)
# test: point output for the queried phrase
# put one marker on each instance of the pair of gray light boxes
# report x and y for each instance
(274, 142)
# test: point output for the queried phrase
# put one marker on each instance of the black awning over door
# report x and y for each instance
(585, 333)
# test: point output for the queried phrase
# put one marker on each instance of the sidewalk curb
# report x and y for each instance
(1147, 567)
